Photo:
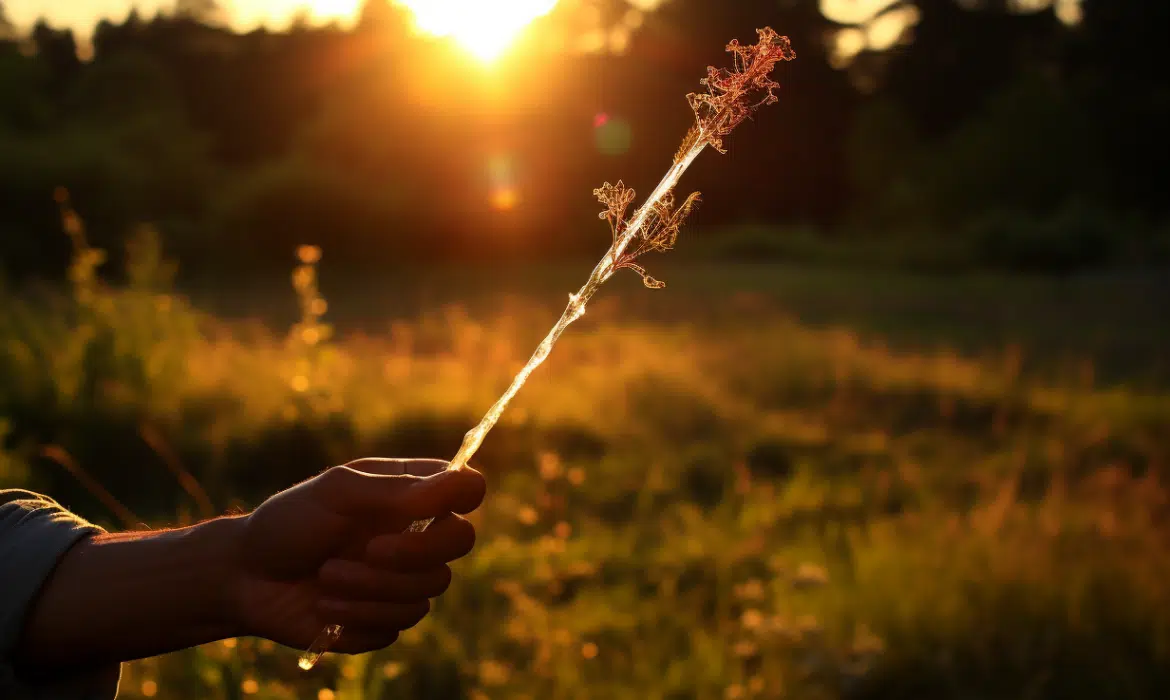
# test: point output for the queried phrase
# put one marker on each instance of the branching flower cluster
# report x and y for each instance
(658, 233)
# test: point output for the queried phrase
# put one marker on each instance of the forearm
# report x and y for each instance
(126, 596)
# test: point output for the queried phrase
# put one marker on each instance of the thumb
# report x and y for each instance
(349, 491)
(451, 491)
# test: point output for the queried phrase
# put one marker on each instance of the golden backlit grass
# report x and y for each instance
(687, 510)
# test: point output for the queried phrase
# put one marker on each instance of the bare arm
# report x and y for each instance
(125, 596)
(329, 550)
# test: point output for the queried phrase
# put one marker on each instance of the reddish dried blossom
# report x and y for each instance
(733, 94)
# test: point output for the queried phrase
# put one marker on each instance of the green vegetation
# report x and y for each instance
(994, 136)
(721, 502)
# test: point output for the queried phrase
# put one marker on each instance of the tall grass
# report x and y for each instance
(767, 510)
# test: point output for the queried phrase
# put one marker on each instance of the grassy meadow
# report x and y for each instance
(761, 482)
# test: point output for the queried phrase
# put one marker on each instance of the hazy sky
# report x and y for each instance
(82, 15)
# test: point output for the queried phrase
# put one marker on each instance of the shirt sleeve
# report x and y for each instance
(35, 532)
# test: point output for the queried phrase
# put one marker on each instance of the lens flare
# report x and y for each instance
(486, 29)
(503, 194)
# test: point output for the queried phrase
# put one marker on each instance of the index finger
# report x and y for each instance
(398, 467)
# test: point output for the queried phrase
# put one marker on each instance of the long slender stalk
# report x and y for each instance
(574, 310)
(732, 96)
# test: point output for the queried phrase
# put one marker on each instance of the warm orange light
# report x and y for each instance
(485, 29)
(504, 198)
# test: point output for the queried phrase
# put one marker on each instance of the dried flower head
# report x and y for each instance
(658, 233)
(733, 94)
(616, 198)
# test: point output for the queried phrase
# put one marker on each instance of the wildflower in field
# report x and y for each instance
(808, 626)
(756, 685)
(518, 629)
(550, 466)
(810, 575)
(866, 643)
(527, 515)
(752, 589)
(752, 619)
(783, 628)
(309, 254)
(494, 672)
(550, 545)
(745, 648)
(581, 569)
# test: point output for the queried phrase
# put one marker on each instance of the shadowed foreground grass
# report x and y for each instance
(735, 506)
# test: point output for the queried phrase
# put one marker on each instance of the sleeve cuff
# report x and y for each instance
(35, 532)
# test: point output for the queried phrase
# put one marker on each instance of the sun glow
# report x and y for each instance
(484, 27)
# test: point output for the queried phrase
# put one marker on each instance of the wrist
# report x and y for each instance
(214, 546)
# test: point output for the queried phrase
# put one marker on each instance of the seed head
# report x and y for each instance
(733, 94)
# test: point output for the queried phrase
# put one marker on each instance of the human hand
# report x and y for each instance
(333, 550)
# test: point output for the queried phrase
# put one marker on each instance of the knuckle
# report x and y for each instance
(336, 477)
(383, 549)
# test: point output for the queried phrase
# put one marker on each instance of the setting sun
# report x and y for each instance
(485, 29)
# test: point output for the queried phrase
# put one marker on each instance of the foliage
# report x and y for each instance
(375, 137)
(1074, 238)
(735, 511)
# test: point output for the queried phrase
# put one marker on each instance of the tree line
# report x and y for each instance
(1039, 138)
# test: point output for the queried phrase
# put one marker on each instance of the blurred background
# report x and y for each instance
(895, 428)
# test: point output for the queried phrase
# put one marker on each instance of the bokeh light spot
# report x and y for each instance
(149, 688)
(504, 198)
(503, 194)
(613, 137)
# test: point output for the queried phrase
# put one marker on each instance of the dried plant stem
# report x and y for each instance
(732, 96)
(573, 311)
